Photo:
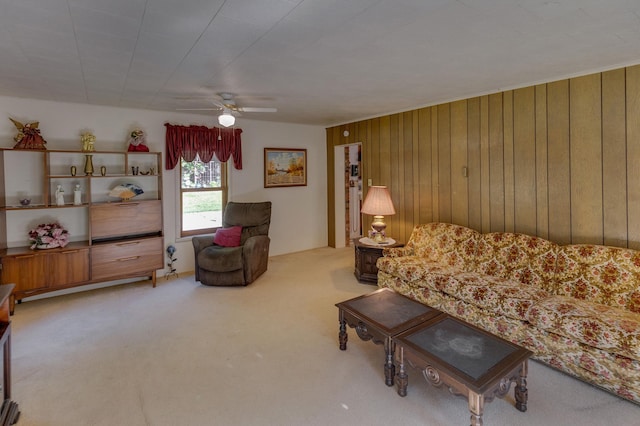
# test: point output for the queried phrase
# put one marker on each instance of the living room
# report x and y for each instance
(550, 154)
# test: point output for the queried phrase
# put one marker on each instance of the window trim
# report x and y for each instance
(224, 188)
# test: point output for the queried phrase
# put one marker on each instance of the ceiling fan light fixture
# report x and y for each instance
(226, 119)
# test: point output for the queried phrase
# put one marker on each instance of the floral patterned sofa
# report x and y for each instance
(577, 307)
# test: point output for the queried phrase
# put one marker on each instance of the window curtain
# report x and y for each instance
(189, 141)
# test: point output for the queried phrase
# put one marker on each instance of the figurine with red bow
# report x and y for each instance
(137, 141)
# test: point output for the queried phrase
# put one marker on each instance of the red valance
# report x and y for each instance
(189, 141)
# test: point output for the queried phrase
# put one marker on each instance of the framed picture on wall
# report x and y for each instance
(285, 167)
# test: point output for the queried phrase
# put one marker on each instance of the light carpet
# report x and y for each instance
(266, 354)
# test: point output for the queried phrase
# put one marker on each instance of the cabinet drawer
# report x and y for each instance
(124, 258)
(126, 218)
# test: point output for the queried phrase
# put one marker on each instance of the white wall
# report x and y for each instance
(299, 215)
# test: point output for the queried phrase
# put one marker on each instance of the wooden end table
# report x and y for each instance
(469, 361)
(366, 256)
(9, 412)
(379, 316)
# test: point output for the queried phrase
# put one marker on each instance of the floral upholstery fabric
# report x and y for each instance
(601, 274)
(602, 326)
(614, 373)
(453, 245)
(576, 307)
(397, 251)
(413, 268)
(497, 294)
(522, 258)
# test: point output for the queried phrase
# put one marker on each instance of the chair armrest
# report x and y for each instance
(255, 254)
(201, 242)
(255, 245)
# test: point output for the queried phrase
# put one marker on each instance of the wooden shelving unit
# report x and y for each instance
(111, 239)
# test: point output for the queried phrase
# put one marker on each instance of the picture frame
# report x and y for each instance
(285, 167)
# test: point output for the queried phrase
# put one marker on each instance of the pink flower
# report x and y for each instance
(50, 235)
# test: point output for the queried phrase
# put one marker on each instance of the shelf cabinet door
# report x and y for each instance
(126, 218)
(68, 267)
(27, 271)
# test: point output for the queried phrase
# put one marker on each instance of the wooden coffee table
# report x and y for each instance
(469, 361)
(379, 316)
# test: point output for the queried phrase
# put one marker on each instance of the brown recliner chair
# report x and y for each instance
(225, 266)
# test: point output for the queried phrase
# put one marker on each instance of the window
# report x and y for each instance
(203, 194)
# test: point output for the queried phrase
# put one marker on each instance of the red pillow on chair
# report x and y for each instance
(228, 237)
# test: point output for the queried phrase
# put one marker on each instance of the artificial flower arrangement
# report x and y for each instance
(48, 235)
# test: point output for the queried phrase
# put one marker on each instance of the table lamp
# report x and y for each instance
(378, 204)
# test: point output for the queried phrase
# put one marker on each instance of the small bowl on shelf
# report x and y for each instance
(25, 202)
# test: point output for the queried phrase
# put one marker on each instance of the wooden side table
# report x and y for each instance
(366, 256)
(9, 412)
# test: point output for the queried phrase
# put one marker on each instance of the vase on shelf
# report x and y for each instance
(103, 171)
(77, 196)
(88, 165)
(73, 170)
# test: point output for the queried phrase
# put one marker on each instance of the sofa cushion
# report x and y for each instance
(604, 327)
(496, 294)
(602, 274)
(523, 258)
(413, 268)
(446, 243)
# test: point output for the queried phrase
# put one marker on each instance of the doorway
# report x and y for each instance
(348, 193)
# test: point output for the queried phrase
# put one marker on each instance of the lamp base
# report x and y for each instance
(378, 237)
(378, 227)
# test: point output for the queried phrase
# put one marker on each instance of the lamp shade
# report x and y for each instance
(226, 119)
(378, 202)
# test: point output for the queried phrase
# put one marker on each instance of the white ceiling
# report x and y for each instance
(320, 62)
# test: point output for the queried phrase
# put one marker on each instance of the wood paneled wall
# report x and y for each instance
(559, 160)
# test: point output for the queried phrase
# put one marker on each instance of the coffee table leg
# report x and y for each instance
(476, 407)
(402, 379)
(389, 367)
(342, 335)
(520, 392)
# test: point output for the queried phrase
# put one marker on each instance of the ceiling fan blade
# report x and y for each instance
(197, 109)
(257, 109)
(219, 104)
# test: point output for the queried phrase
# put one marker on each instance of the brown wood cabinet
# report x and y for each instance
(122, 239)
(28, 270)
(39, 271)
(366, 270)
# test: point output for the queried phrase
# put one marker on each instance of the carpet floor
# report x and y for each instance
(266, 354)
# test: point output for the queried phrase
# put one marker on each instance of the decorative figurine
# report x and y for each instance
(28, 136)
(88, 140)
(172, 270)
(77, 195)
(59, 196)
(137, 141)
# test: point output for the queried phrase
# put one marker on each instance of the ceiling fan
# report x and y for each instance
(229, 109)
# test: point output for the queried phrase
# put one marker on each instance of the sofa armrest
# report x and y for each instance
(397, 251)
